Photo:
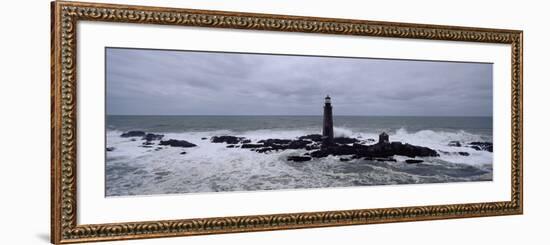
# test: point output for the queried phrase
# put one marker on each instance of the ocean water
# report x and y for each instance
(210, 167)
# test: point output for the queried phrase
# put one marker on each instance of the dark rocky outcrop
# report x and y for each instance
(270, 142)
(133, 134)
(312, 137)
(461, 153)
(343, 159)
(478, 146)
(110, 148)
(340, 146)
(299, 158)
(336, 150)
(411, 161)
(269, 145)
(152, 137)
(227, 139)
(250, 146)
(204, 138)
(177, 143)
(319, 154)
(298, 144)
(377, 150)
(266, 150)
(370, 140)
(183, 153)
(314, 146)
(481, 146)
(344, 140)
(398, 148)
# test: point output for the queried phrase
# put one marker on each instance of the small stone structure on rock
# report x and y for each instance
(383, 138)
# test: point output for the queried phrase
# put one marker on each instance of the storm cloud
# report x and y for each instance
(164, 82)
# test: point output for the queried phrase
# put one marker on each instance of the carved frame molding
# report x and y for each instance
(65, 16)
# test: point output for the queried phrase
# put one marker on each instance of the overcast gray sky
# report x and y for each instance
(155, 82)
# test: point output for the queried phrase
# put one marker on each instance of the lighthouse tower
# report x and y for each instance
(328, 132)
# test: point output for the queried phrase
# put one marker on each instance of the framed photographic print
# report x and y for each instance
(175, 122)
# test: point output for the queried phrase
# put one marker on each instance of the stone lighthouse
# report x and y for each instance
(328, 132)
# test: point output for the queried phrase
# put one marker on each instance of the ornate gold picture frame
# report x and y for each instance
(64, 107)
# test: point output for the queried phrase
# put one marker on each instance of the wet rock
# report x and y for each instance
(312, 137)
(152, 137)
(299, 158)
(227, 139)
(264, 150)
(183, 153)
(455, 143)
(272, 148)
(340, 146)
(270, 142)
(397, 148)
(177, 143)
(298, 144)
(110, 148)
(251, 146)
(133, 134)
(204, 138)
(463, 153)
(314, 146)
(383, 150)
(282, 144)
(319, 154)
(344, 140)
(411, 161)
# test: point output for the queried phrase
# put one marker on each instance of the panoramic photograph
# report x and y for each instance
(200, 122)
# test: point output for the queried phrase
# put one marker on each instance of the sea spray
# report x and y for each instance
(132, 169)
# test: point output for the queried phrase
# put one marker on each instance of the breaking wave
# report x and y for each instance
(209, 167)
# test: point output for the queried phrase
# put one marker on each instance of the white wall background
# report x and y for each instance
(25, 107)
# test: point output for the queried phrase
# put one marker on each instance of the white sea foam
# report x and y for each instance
(132, 169)
(342, 132)
(207, 167)
(440, 140)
